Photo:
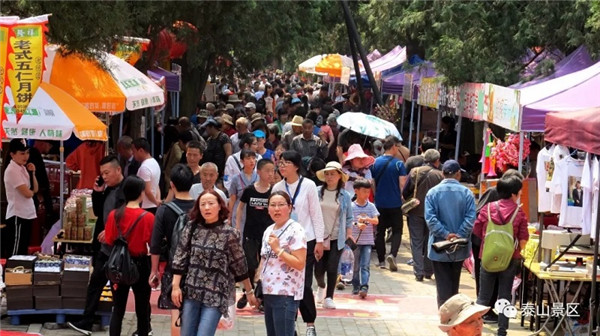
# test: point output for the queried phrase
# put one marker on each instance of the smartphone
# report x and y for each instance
(100, 181)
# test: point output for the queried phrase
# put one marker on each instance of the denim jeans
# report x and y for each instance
(198, 319)
(280, 315)
(419, 234)
(362, 259)
(505, 282)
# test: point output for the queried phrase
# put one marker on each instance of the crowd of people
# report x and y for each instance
(264, 189)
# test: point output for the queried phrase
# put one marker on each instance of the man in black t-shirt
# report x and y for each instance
(254, 201)
(218, 146)
(164, 223)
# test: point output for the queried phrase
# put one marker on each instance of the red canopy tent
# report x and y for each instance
(577, 129)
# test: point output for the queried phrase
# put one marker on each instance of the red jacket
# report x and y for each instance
(507, 208)
(139, 238)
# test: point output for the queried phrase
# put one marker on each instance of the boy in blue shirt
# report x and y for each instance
(365, 219)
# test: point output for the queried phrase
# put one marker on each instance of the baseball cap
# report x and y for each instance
(259, 134)
(18, 145)
(450, 167)
(212, 122)
(296, 101)
(250, 105)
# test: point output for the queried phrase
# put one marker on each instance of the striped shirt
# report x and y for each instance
(367, 210)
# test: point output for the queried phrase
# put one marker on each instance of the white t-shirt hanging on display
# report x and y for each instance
(571, 211)
(587, 186)
(596, 190)
(554, 182)
(542, 166)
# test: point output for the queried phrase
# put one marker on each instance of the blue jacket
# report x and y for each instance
(345, 216)
(449, 208)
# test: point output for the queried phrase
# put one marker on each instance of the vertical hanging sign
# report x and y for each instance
(5, 23)
(25, 64)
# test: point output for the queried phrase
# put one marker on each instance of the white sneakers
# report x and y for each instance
(321, 295)
(329, 304)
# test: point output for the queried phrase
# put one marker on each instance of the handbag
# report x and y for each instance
(414, 201)
(450, 246)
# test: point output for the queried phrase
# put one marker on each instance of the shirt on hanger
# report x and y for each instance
(571, 210)
(554, 181)
(543, 164)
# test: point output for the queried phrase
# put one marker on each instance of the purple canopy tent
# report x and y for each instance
(577, 60)
(392, 59)
(173, 85)
(533, 114)
(373, 55)
(394, 84)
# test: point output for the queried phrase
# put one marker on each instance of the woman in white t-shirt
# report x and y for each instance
(21, 186)
(283, 258)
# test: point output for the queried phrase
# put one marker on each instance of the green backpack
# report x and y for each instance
(499, 244)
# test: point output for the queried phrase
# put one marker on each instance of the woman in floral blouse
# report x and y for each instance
(283, 259)
(211, 256)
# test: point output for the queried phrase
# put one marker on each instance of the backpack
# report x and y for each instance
(499, 244)
(182, 219)
(120, 267)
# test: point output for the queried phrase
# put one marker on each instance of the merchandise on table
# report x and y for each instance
(78, 216)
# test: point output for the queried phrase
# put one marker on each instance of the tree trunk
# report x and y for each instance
(193, 84)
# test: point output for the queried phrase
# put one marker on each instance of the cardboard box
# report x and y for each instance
(43, 278)
(41, 290)
(19, 297)
(48, 302)
(76, 276)
(18, 276)
(26, 261)
(73, 303)
(74, 289)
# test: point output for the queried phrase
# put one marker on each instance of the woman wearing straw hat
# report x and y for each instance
(462, 316)
(336, 206)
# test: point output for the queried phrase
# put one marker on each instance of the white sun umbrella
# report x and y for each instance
(367, 124)
(308, 66)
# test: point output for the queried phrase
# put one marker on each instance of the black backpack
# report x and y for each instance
(120, 267)
(182, 219)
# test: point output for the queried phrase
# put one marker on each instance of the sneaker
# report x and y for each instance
(355, 291)
(363, 292)
(329, 304)
(135, 333)
(242, 302)
(321, 295)
(392, 263)
(428, 277)
(419, 278)
(490, 318)
(82, 327)
(410, 262)
(311, 331)
(381, 265)
(341, 285)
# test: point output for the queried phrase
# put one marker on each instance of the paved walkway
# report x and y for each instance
(397, 305)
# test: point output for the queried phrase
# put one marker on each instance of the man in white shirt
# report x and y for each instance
(233, 166)
(18, 179)
(208, 175)
(149, 171)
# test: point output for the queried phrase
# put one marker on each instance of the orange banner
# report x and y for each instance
(25, 61)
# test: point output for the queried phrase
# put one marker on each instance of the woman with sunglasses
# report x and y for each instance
(283, 259)
(211, 256)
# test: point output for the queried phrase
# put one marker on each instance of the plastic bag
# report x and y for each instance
(227, 323)
(347, 264)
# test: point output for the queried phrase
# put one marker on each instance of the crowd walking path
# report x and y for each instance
(396, 305)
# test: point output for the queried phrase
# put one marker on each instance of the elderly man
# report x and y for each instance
(296, 129)
(209, 174)
(450, 214)
(242, 125)
(129, 165)
(210, 107)
(420, 181)
(308, 144)
(250, 108)
(462, 316)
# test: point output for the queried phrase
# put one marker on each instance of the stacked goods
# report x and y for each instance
(106, 300)
(19, 283)
(76, 275)
(76, 216)
(46, 282)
